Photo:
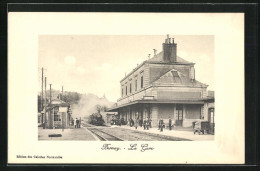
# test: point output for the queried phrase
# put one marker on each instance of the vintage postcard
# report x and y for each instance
(148, 87)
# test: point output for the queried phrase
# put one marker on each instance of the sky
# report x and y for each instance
(96, 63)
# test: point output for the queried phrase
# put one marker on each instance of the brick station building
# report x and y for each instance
(161, 87)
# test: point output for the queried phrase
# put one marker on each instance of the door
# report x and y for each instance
(211, 119)
(179, 112)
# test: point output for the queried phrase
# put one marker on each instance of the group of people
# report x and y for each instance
(146, 123)
(161, 124)
(77, 122)
(117, 121)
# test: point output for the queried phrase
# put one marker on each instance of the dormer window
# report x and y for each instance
(176, 77)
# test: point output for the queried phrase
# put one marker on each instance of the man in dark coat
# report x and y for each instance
(170, 123)
(148, 123)
(77, 123)
(136, 120)
(144, 124)
(161, 124)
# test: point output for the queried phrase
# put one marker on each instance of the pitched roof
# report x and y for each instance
(159, 58)
(58, 102)
(175, 77)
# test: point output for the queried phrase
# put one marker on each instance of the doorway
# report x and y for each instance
(179, 112)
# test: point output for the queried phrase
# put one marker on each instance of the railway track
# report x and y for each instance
(90, 125)
(104, 136)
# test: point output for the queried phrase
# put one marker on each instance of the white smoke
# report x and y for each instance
(88, 105)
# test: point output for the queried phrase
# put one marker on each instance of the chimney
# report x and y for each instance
(149, 56)
(169, 50)
(154, 51)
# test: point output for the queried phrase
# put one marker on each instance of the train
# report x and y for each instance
(96, 119)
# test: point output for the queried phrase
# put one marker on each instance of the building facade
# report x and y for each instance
(58, 114)
(163, 86)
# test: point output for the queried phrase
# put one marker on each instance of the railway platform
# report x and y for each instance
(185, 133)
(68, 134)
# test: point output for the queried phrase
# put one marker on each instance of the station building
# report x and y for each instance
(164, 86)
(58, 114)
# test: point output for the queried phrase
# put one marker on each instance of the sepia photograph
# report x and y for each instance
(126, 88)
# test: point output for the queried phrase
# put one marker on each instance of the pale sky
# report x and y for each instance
(96, 64)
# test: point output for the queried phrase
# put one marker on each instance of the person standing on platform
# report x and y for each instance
(170, 123)
(148, 123)
(158, 124)
(161, 124)
(144, 124)
(131, 122)
(136, 121)
(77, 123)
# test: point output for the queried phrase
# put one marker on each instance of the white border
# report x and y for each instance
(228, 29)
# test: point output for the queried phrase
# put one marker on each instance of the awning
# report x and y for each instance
(179, 101)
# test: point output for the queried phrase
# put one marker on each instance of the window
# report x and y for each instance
(57, 117)
(125, 90)
(56, 114)
(130, 88)
(135, 85)
(142, 84)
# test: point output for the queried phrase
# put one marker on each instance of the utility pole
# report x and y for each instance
(50, 93)
(45, 117)
(52, 120)
(42, 98)
(62, 93)
(42, 92)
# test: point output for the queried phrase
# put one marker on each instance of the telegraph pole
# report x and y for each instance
(42, 98)
(62, 93)
(45, 117)
(42, 92)
(50, 93)
(52, 120)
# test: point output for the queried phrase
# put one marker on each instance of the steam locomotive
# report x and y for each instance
(96, 119)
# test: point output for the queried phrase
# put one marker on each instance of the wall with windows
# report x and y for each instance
(147, 73)
(135, 81)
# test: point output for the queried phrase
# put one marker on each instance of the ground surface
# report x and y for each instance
(67, 134)
(125, 133)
